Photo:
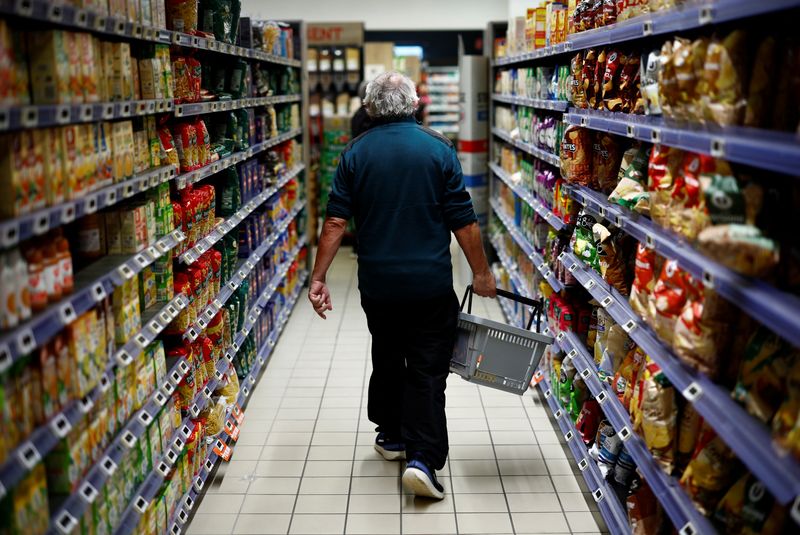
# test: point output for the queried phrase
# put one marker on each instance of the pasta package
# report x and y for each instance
(576, 159)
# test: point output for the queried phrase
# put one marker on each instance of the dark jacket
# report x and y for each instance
(402, 183)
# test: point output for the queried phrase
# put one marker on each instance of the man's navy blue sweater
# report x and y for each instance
(402, 183)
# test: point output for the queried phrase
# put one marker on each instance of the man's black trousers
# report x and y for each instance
(412, 342)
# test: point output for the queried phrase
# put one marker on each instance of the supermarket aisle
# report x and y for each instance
(305, 463)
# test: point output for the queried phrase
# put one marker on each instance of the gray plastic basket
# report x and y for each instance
(495, 354)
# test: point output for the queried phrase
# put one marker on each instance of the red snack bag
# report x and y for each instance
(185, 391)
(614, 63)
(588, 420)
(195, 78)
(169, 154)
(609, 12)
(644, 281)
(671, 291)
(687, 214)
(587, 74)
(664, 164)
(597, 80)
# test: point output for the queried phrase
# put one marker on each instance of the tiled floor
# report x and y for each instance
(304, 463)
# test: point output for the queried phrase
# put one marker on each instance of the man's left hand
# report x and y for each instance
(320, 298)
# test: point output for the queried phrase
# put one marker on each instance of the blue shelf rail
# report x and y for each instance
(191, 177)
(676, 503)
(223, 228)
(747, 437)
(66, 518)
(544, 212)
(686, 17)
(613, 512)
(43, 115)
(179, 521)
(94, 284)
(775, 309)
(536, 152)
(17, 229)
(765, 149)
(86, 20)
(538, 103)
(241, 274)
(197, 108)
(537, 259)
(148, 490)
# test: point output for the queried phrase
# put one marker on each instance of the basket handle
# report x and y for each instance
(537, 305)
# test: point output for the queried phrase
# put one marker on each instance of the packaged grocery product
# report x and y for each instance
(577, 88)
(181, 15)
(588, 420)
(644, 511)
(762, 382)
(606, 159)
(607, 445)
(659, 415)
(612, 257)
(747, 508)
(743, 248)
(785, 424)
(725, 63)
(626, 375)
(631, 191)
(662, 169)
(670, 294)
(583, 242)
(710, 472)
(627, 9)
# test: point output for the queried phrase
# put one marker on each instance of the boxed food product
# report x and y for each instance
(14, 88)
(49, 67)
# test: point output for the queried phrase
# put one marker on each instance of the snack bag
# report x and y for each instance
(785, 426)
(742, 248)
(761, 386)
(587, 74)
(583, 242)
(588, 420)
(625, 377)
(606, 159)
(645, 515)
(687, 214)
(689, 425)
(649, 72)
(576, 161)
(710, 472)
(612, 258)
(749, 509)
(670, 294)
(631, 190)
(659, 412)
(615, 62)
(661, 171)
(723, 102)
(644, 281)
(594, 97)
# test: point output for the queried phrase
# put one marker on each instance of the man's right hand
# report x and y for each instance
(484, 285)
(320, 298)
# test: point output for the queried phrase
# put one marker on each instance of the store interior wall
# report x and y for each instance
(386, 14)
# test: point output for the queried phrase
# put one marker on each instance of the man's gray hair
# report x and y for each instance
(391, 95)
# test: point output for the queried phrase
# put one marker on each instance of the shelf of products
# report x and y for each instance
(671, 18)
(154, 216)
(551, 218)
(677, 303)
(442, 117)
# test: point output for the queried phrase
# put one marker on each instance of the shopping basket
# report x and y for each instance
(495, 354)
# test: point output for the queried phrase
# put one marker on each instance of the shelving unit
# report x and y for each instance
(443, 111)
(774, 308)
(97, 281)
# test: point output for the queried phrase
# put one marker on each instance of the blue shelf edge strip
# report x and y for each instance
(683, 18)
(765, 149)
(66, 518)
(88, 20)
(537, 259)
(536, 152)
(611, 509)
(746, 436)
(178, 523)
(539, 103)
(545, 213)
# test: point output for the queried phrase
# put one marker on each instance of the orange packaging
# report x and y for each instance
(54, 186)
(90, 79)
(13, 176)
(540, 28)
(34, 164)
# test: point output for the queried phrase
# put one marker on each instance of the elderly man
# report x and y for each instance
(402, 183)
